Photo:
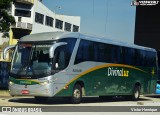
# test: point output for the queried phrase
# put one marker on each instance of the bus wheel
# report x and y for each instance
(77, 94)
(136, 93)
(40, 99)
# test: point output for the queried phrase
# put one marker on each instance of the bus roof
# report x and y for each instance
(51, 36)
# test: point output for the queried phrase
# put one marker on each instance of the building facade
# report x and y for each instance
(32, 16)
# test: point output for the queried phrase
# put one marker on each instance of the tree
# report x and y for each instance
(5, 18)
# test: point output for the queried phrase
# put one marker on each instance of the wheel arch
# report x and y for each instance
(138, 84)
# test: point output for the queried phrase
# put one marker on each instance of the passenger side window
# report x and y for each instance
(85, 52)
(98, 52)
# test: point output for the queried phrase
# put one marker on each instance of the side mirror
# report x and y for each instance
(6, 49)
(53, 47)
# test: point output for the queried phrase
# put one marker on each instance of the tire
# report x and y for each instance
(41, 99)
(76, 94)
(136, 93)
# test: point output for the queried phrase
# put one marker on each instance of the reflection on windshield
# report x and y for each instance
(31, 60)
(40, 59)
(22, 56)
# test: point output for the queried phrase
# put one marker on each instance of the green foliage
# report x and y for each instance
(5, 4)
(5, 18)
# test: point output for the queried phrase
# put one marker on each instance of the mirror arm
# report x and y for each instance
(6, 49)
(53, 47)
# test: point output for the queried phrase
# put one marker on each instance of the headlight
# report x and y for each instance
(48, 81)
(45, 83)
(11, 83)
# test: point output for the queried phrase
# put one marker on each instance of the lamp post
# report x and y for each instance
(56, 7)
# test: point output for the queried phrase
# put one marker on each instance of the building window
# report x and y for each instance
(22, 5)
(67, 27)
(59, 24)
(23, 13)
(19, 19)
(39, 18)
(49, 21)
(75, 28)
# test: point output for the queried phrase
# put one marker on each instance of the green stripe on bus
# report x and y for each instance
(126, 67)
(24, 81)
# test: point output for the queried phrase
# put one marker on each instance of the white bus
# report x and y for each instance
(73, 65)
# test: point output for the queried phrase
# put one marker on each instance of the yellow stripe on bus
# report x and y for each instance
(99, 67)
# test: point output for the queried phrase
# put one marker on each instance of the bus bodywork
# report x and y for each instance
(73, 65)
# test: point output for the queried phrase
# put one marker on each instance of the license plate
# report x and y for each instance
(25, 91)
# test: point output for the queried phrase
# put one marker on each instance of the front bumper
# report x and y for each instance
(34, 90)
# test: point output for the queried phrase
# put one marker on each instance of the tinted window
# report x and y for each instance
(138, 57)
(151, 58)
(75, 28)
(128, 56)
(101, 52)
(21, 5)
(95, 51)
(39, 18)
(67, 27)
(23, 13)
(59, 24)
(85, 52)
(64, 53)
(49, 21)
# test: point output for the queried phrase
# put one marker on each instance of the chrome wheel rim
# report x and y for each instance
(136, 93)
(77, 93)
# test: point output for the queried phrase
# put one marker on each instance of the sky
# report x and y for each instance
(113, 19)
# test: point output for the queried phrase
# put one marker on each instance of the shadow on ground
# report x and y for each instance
(58, 101)
(154, 96)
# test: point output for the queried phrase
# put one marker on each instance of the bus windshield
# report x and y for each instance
(32, 60)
